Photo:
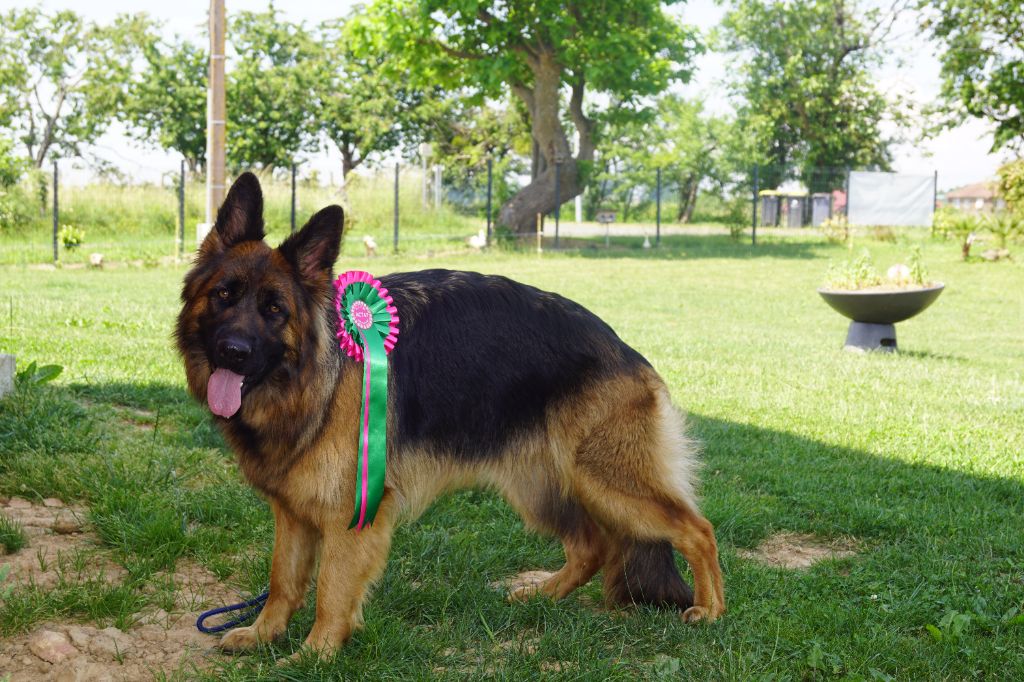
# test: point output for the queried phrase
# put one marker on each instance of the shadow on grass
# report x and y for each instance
(931, 540)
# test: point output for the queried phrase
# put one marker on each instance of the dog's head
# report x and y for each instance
(252, 314)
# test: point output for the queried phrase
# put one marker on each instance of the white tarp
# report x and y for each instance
(890, 199)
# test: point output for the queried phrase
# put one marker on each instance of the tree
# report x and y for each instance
(364, 108)
(690, 147)
(464, 137)
(61, 77)
(271, 98)
(540, 51)
(165, 105)
(805, 89)
(983, 63)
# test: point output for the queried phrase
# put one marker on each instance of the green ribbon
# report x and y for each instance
(372, 449)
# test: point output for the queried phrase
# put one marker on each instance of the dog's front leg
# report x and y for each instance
(295, 544)
(350, 561)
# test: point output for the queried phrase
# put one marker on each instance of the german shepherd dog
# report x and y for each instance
(493, 383)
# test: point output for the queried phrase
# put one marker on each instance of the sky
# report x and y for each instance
(960, 156)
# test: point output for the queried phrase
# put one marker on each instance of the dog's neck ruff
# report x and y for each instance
(367, 332)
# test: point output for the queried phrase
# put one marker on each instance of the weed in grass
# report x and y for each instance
(12, 535)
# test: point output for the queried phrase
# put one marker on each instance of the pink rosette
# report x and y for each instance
(358, 286)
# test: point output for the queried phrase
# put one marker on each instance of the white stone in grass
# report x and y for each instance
(6, 374)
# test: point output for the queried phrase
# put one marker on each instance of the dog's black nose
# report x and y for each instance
(233, 352)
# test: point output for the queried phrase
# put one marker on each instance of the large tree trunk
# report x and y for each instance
(542, 101)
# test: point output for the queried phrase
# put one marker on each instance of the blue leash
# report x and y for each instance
(254, 606)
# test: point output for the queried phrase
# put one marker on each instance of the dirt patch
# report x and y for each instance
(159, 642)
(798, 550)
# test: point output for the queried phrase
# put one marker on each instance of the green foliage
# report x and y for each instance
(463, 136)
(858, 273)
(12, 536)
(34, 374)
(71, 237)
(272, 91)
(1011, 184)
(982, 63)
(806, 94)
(165, 104)
(366, 106)
(61, 77)
(1004, 226)
(628, 50)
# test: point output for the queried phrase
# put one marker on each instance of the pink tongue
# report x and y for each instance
(224, 392)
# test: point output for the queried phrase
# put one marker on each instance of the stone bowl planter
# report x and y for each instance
(874, 312)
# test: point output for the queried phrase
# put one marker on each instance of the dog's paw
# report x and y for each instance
(239, 639)
(525, 585)
(695, 614)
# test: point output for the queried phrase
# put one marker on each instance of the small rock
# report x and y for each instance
(66, 524)
(50, 646)
(52, 502)
(79, 636)
(112, 643)
(19, 503)
(96, 260)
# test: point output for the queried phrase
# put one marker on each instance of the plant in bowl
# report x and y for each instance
(875, 303)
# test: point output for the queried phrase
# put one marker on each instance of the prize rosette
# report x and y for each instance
(367, 332)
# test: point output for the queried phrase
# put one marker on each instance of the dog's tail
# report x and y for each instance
(646, 573)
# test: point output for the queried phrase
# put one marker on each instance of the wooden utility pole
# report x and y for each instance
(216, 114)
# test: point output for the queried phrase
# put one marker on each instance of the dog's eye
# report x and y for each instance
(274, 308)
(223, 293)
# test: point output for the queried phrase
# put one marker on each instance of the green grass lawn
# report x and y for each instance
(915, 458)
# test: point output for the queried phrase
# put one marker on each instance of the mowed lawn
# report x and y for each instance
(914, 460)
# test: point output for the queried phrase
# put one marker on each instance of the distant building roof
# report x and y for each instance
(979, 190)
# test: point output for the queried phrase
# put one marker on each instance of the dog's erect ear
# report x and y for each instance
(240, 217)
(314, 248)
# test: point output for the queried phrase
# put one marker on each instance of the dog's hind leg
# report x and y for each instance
(583, 541)
(635, 475)
(295, 545)
(584, 556)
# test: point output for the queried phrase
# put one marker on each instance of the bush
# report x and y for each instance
(1011, 184)
(949, 223)
(1005, 226)
(71, 237)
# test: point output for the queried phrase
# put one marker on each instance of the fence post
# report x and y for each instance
(753, 212)
(180, 241)
(56, 212)
(935, 191)
(293, 198)
(846, 208)
(490, 163)
(558, 196)
(657, 223)
(396, 206)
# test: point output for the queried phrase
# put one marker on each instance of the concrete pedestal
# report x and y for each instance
(864, 336)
